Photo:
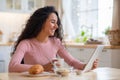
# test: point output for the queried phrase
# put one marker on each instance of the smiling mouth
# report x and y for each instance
(53, 31)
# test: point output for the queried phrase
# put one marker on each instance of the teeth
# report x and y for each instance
(53, 30)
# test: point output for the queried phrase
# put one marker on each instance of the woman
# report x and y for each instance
(40, 42)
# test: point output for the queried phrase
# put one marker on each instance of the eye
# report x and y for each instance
(52, 21)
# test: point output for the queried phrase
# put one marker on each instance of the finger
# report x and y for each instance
(54, 60)
(57, 64)
(97, 59)
(95, 65)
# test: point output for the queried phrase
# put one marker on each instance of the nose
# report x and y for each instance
(56, 26)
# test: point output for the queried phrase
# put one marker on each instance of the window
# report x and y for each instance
(93, 15)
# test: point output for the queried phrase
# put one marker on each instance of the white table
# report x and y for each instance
(97, 74)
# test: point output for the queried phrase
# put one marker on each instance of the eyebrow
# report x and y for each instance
(53, 20)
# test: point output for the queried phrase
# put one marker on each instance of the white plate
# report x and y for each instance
(38, 75)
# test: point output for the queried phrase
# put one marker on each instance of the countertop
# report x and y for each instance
(72, 44)
(81, 45)
(6, 44)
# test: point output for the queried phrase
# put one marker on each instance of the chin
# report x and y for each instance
(52, 34)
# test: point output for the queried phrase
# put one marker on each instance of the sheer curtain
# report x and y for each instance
(116, 15)
(66, 19)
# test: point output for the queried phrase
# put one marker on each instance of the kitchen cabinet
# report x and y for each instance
(11, 5)
(24, 6)
(82, 54)
(105, 58)
(4, 57)
(115, 58)
(27, 6)
(108, 57)
(2, 66)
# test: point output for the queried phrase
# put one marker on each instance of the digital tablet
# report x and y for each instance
(93, 57)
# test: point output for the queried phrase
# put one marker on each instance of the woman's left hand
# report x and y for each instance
(95, 64)
(48, 67)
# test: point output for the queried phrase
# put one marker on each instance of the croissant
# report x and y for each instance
(36, 69)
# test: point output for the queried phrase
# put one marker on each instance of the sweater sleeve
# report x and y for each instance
(15, 62)
(69, 59)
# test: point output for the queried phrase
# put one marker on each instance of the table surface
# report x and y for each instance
(97, 74)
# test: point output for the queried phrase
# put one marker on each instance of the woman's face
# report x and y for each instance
(50, 25)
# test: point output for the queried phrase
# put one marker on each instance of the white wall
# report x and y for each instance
(12, 22)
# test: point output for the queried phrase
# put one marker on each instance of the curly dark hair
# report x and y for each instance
(35, 24)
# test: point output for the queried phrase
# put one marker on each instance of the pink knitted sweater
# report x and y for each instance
(35, 52)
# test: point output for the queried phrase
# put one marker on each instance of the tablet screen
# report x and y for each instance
(94, 56)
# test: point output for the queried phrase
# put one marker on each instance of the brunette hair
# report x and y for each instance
(35, 24)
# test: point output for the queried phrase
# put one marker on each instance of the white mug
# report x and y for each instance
(58, 62)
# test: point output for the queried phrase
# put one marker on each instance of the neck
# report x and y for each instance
(42, 38)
